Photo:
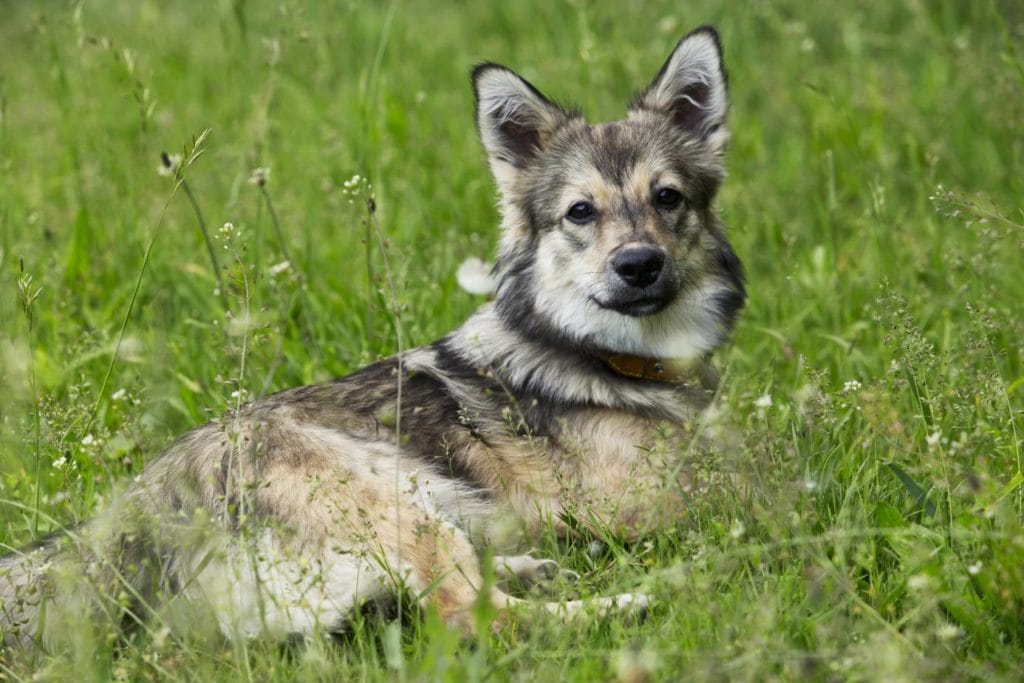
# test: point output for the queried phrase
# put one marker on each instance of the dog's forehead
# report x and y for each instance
(618, 151)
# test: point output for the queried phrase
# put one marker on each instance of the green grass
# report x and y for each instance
(866, 525)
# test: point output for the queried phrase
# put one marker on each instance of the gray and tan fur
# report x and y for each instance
(285, 516)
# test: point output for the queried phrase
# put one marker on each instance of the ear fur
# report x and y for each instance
(692, 88)
(513, 117)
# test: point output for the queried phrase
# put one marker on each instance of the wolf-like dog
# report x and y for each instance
(562, 404)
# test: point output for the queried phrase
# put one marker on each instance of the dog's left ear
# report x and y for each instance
(691, 88)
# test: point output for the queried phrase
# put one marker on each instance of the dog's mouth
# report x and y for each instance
(638, 307)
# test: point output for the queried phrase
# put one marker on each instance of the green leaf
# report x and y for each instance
(888, 516)
(919, 494)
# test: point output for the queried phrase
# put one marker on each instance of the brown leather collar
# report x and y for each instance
(658, 369)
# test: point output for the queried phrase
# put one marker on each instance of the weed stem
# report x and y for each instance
(206, 238)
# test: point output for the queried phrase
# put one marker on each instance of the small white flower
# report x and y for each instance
(59, 463)
(948, 631)
(279, 268)
(851, 385)
(810, 485)
(356, 187)
(88, 440)
(933, 439)
(975, 568)
(259, 176)
(738, 529)
(118, 395)
(474, 276)
(764, 401)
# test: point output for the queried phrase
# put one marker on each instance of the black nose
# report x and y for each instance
(640, 266)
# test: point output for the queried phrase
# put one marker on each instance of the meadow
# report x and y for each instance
(863, 517)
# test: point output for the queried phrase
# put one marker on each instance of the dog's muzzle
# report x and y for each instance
(639, 267)
(642, 284)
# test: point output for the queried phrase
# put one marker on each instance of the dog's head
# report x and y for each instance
(609, 241)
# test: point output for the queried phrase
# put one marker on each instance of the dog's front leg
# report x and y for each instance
(445, 571)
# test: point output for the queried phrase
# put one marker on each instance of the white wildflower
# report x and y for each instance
(933, 439)
(738, 529)
(118, 395)
(474, 276)
(764, 401)
(59, 463)
(279, 268)
(851, 385)
(810, 485)
(356, 187)
(948, 631)
(259, 176)
(88, 440)
(975, 568)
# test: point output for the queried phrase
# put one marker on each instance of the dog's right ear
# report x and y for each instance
(514, 119)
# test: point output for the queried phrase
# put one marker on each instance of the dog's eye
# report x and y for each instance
(667, 198)
(581, 212)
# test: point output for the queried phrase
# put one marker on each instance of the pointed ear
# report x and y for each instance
(691, 88)
(515, 120)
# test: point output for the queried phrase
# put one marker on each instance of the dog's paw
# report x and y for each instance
(634, 606)
(529, 571)
(631, 607)
(549, 571)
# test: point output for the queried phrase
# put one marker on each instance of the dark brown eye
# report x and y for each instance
(581, 212)
(667, 198)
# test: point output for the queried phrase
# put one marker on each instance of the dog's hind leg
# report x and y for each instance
(436, 562)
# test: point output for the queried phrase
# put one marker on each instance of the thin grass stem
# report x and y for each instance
(206, 239)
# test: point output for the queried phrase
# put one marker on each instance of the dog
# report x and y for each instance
(562, 404)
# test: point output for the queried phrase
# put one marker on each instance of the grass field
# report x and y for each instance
(866, 520)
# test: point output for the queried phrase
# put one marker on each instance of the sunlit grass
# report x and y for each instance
(861, 514)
